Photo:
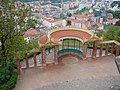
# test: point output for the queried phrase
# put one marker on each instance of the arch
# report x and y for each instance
(82, 35)
(69, 50)
(74, 43)
(57, 34)
(71, 38)
(70, 54)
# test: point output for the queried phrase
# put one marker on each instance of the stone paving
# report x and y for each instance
(69, 69)
(100, 83)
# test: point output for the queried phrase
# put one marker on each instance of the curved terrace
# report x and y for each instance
(57, 34)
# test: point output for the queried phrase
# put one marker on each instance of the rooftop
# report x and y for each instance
(114, 20)
(52, 20)
(59, 33)
(81, 16)
(31, 32)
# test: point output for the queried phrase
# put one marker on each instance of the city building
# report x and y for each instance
(31, 34)
(111, 21)
(51, 22)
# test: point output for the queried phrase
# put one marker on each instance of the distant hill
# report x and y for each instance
(53, 1)
(27, 0)
(58, 1)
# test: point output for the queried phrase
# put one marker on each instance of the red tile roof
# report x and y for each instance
(99, 25)
(114, 20)
(31, 32)
(78, 21)
(81, 16)
(43, 39)
(66, 33)
(49, 20)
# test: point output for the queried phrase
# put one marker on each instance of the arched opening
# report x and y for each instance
(72, 43)
(71, 47)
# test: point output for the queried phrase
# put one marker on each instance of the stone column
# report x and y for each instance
(117, 50)
(35, 62)
(26, 58)
(18, 66)
(94, 49)
(56, 54)
(43, 56)
(84, 50)
(101, 49)
(112, 50)
(107, 47)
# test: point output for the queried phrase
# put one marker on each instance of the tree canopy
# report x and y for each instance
(80, 11)
(115, 3)
(117, 23)
(116, 14)
(15, 18)
(113, 33)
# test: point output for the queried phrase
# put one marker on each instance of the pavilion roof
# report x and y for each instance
(95, 38)
(50, 42)
(54, 36)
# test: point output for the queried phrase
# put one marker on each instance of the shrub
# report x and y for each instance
(6, 72)
(10, 84)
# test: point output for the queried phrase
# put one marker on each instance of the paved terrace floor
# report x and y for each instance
(68, 69)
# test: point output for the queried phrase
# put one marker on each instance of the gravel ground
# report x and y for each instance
(71, 74)
(101, 83)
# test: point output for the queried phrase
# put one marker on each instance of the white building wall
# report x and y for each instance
(64, 23)
(47, 24)
(101, 28)
(109, 23)
(80, 25)
(101, 20)
(66, 6)
(75, 25)
(61, 22)
(83, 26)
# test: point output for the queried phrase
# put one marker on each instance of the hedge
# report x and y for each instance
(11, 83)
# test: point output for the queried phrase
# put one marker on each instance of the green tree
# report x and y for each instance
(117, 23)
(69, 14)
(115, 3)
(113, 33)
(116, 14)
(80, 11)
(14, 19)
